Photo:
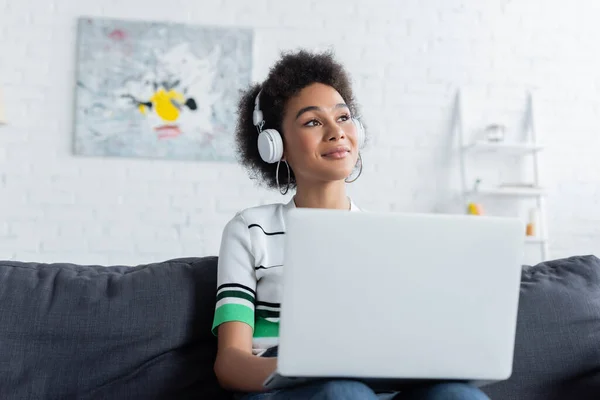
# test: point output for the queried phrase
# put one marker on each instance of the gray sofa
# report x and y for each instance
(92, 332)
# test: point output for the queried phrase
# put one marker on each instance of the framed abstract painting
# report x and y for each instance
(159, 90)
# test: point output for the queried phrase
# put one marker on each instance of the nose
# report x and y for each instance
(335, 133)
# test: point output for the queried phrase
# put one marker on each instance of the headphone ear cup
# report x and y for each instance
(360, 132)
(270, 146)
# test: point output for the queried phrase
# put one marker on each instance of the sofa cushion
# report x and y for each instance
(557, 346)
(92, 332)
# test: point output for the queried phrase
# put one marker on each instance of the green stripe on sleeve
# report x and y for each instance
(266, 328)
(235, 293)
(232, 312)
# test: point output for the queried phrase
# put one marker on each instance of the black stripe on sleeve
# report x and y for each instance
(267, 314)
(266, 233)
(267, 304)
(227, 285)
(263, 267)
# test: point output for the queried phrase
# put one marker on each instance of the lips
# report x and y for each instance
(337, 152)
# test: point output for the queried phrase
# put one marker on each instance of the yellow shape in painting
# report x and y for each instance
(142, 108)
(163, 102)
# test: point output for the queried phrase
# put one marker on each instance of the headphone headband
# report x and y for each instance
(257, 100)
(257, 115)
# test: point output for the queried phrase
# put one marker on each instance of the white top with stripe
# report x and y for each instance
(249, 271)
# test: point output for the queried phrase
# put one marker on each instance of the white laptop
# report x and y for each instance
(396, 299)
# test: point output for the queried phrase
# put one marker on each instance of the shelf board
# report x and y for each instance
(508, 191)
(534, 240)
(503, 147)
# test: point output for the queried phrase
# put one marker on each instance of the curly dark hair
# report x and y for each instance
(292, 73)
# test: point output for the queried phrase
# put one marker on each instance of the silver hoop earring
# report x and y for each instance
(360, 164)
(287, 187)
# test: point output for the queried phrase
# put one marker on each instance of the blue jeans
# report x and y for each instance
(352, 390)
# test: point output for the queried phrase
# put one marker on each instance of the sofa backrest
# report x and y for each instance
(93, 332)
(557, 349)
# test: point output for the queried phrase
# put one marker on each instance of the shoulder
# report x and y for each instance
(267, 216)
(262, 212)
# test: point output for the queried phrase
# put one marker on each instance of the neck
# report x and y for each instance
(330, 195)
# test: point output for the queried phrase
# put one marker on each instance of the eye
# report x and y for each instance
(312, 122)
(344, 117)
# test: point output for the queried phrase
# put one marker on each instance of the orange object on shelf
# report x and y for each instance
(475, 209)
(530, 229)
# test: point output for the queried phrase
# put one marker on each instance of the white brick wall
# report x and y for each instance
(407, 58)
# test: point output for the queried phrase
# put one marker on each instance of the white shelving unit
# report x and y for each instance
(529, 147)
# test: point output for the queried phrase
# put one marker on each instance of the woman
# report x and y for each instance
(295, 131)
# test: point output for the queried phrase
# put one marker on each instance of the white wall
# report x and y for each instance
(407, 57)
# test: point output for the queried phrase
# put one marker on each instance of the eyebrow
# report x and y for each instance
(313, 108)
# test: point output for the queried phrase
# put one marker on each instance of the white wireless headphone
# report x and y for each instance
(270, 144)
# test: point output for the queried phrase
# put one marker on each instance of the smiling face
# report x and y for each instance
(320, 139)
